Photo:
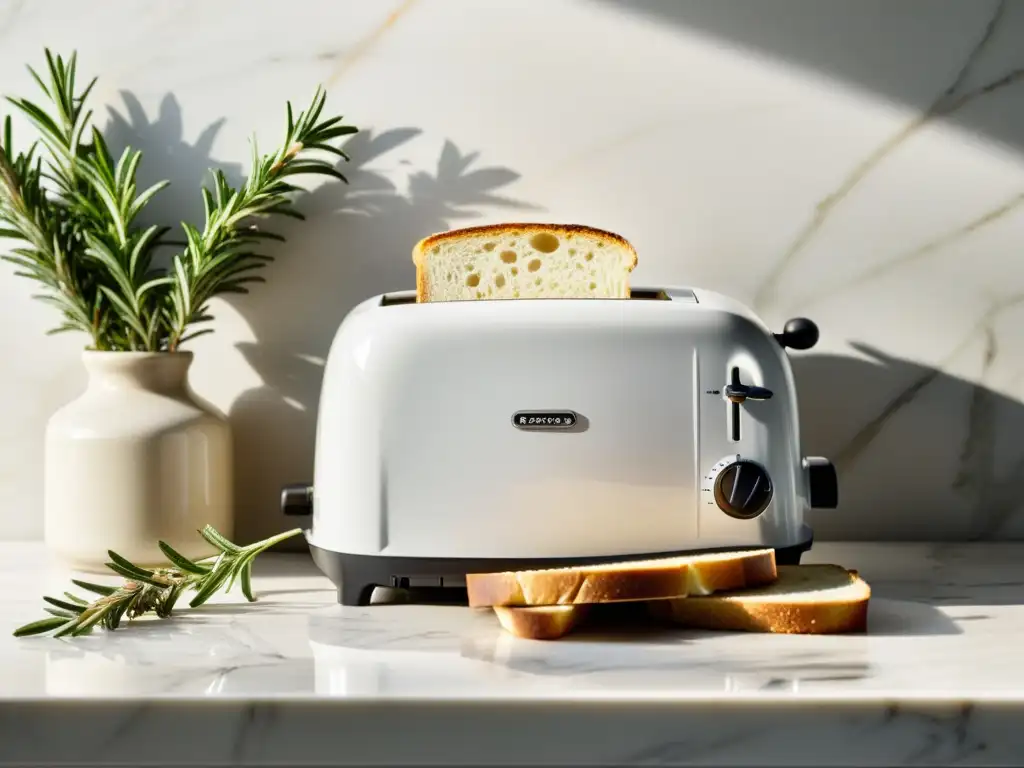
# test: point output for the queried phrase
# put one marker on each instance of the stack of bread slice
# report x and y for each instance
(739, 591)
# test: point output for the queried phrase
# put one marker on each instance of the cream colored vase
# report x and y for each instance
(135, 459)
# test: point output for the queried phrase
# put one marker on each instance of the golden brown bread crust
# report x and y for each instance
(548, 623)
(649, 580)
(506, 228)
(420, 249)
(779, 618)
(830, 616)
(724, 611)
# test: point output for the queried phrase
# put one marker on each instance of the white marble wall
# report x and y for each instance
(855, 161)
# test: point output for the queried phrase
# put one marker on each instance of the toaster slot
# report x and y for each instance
(648, 294)
(402, 297)
(734, 410)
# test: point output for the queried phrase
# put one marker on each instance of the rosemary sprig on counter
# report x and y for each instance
(154, 590)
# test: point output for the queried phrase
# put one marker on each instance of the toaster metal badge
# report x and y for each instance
(472, 436)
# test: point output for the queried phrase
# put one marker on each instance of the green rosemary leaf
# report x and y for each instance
(41, 626)
(182, 283)
(328, 148)
(75, 599)
(284, 210)
(214, 537)
(212, 583)
(64, 605)
(334, 133)
(99, 589)
(314, 168)
(194, 334)
(127, 314)
(113, 618)
(166, 606)
(133, 575)
(149, 285)
(180, 561)
(144, 197)
(124, 563)
(83, 122)
(235, 570)
(104, 161)
(263, 235)
(246, 582)
(329, 123)
(65, 328)
(144, 243)
(41, 120)
(86, 623)
(59, 612)
(102, 252)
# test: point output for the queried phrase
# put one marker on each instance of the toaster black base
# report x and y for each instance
(357, 576)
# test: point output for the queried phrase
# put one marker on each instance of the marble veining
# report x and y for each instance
(858, 163)
(296, 678)
(952, 99)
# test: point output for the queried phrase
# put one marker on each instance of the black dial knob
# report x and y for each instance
(743, 489)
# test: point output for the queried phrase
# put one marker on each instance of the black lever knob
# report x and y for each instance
(737, 393)
(297, 500)
(822, 483)
(798, 333)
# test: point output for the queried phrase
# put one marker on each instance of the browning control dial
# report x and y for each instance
(742, 489)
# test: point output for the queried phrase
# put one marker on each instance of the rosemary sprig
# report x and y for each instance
(71, 208)
(156, 590)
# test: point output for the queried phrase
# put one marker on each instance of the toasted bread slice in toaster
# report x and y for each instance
(804, 599)
(661, 578)
(523, 260)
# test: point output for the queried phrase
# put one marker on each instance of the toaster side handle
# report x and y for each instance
(297, 500)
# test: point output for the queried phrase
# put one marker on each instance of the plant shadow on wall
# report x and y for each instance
(356, 243)
(920, 453)
(167, 155)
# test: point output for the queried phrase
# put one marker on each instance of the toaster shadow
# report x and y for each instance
(921, 455)
(356, 243)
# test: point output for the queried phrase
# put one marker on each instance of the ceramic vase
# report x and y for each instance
(136, 459)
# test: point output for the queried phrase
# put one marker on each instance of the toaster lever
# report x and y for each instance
(798, 333)
(737, 393)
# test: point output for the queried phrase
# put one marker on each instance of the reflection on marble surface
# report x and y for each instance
(935, 680)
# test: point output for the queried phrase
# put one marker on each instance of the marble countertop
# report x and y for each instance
(297, 679)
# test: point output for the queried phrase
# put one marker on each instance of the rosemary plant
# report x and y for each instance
(153, 591)
(72, 209)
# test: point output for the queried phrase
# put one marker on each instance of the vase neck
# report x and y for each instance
(165, 372)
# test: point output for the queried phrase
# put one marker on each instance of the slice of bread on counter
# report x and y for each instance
(540, 622)
(804, 599)
(523, 261)
(661, 578)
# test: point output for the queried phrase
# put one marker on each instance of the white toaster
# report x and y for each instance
(472, 436)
